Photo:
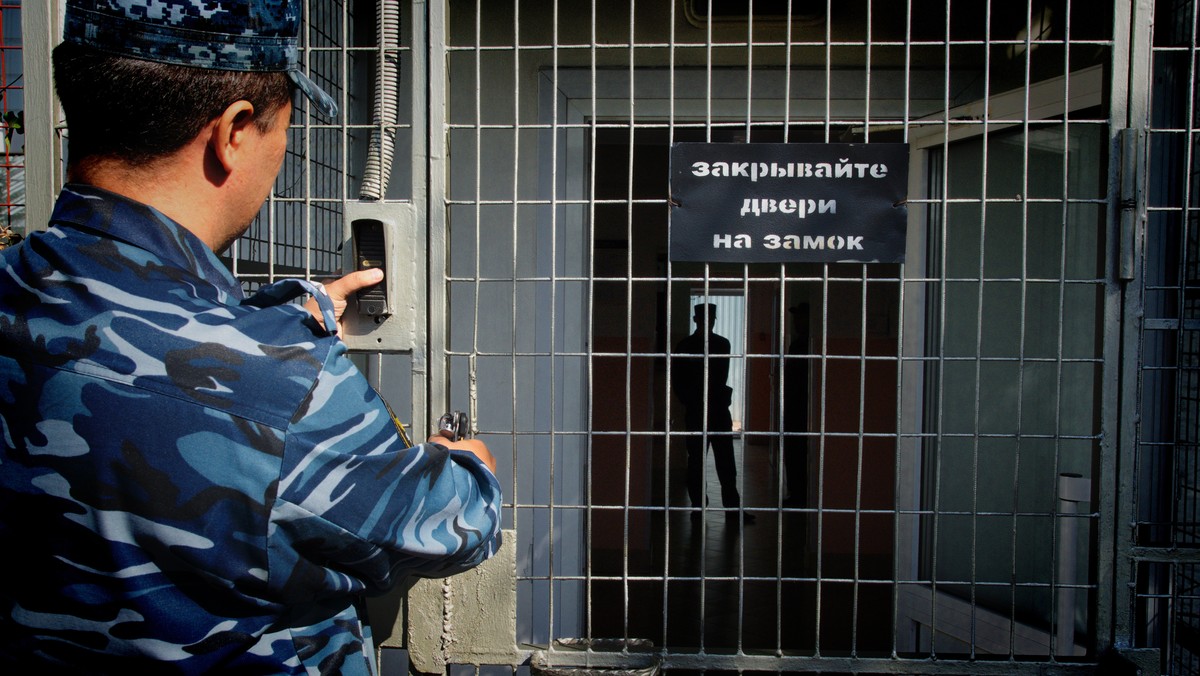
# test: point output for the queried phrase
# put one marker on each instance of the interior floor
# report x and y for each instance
(750, 587)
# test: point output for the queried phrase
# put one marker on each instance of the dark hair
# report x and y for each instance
(136, 111)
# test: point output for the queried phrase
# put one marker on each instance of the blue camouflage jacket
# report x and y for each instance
(195, 480)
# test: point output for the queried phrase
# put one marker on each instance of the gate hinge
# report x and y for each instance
(1131, 203)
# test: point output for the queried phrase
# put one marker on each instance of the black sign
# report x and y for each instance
(784, 202)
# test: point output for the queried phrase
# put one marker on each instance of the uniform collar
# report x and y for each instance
(87, 207)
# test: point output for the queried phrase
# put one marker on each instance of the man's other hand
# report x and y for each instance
(469, 445)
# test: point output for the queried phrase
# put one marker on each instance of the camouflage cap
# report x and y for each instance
(240, 35)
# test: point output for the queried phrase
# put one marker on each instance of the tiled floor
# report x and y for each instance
(741, 602)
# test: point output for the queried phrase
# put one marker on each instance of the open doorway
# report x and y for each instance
(730, 317)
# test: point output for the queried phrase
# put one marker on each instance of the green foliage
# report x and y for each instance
(14, 123)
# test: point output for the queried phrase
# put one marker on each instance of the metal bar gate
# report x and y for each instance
(981, 460)
(1161, 448)
(919, 453)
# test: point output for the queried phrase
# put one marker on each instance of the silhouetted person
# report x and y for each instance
(795, 410)
(694, 391)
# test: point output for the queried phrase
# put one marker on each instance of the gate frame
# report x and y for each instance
(1129, 84)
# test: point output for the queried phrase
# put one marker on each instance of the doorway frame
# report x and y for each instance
(574, 102)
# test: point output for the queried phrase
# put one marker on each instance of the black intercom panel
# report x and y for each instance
(370, 251)
(383, 318)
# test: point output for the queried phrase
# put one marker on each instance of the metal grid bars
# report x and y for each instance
(985, 459)
(12, 121)
(1168, 474)
(919, 449)
(299, 231)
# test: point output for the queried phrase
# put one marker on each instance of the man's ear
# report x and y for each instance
(229, 132)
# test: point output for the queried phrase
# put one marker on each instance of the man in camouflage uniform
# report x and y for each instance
(190, 480)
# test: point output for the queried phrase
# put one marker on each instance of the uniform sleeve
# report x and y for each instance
(357, 511)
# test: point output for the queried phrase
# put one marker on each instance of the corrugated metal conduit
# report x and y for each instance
(387, 108)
